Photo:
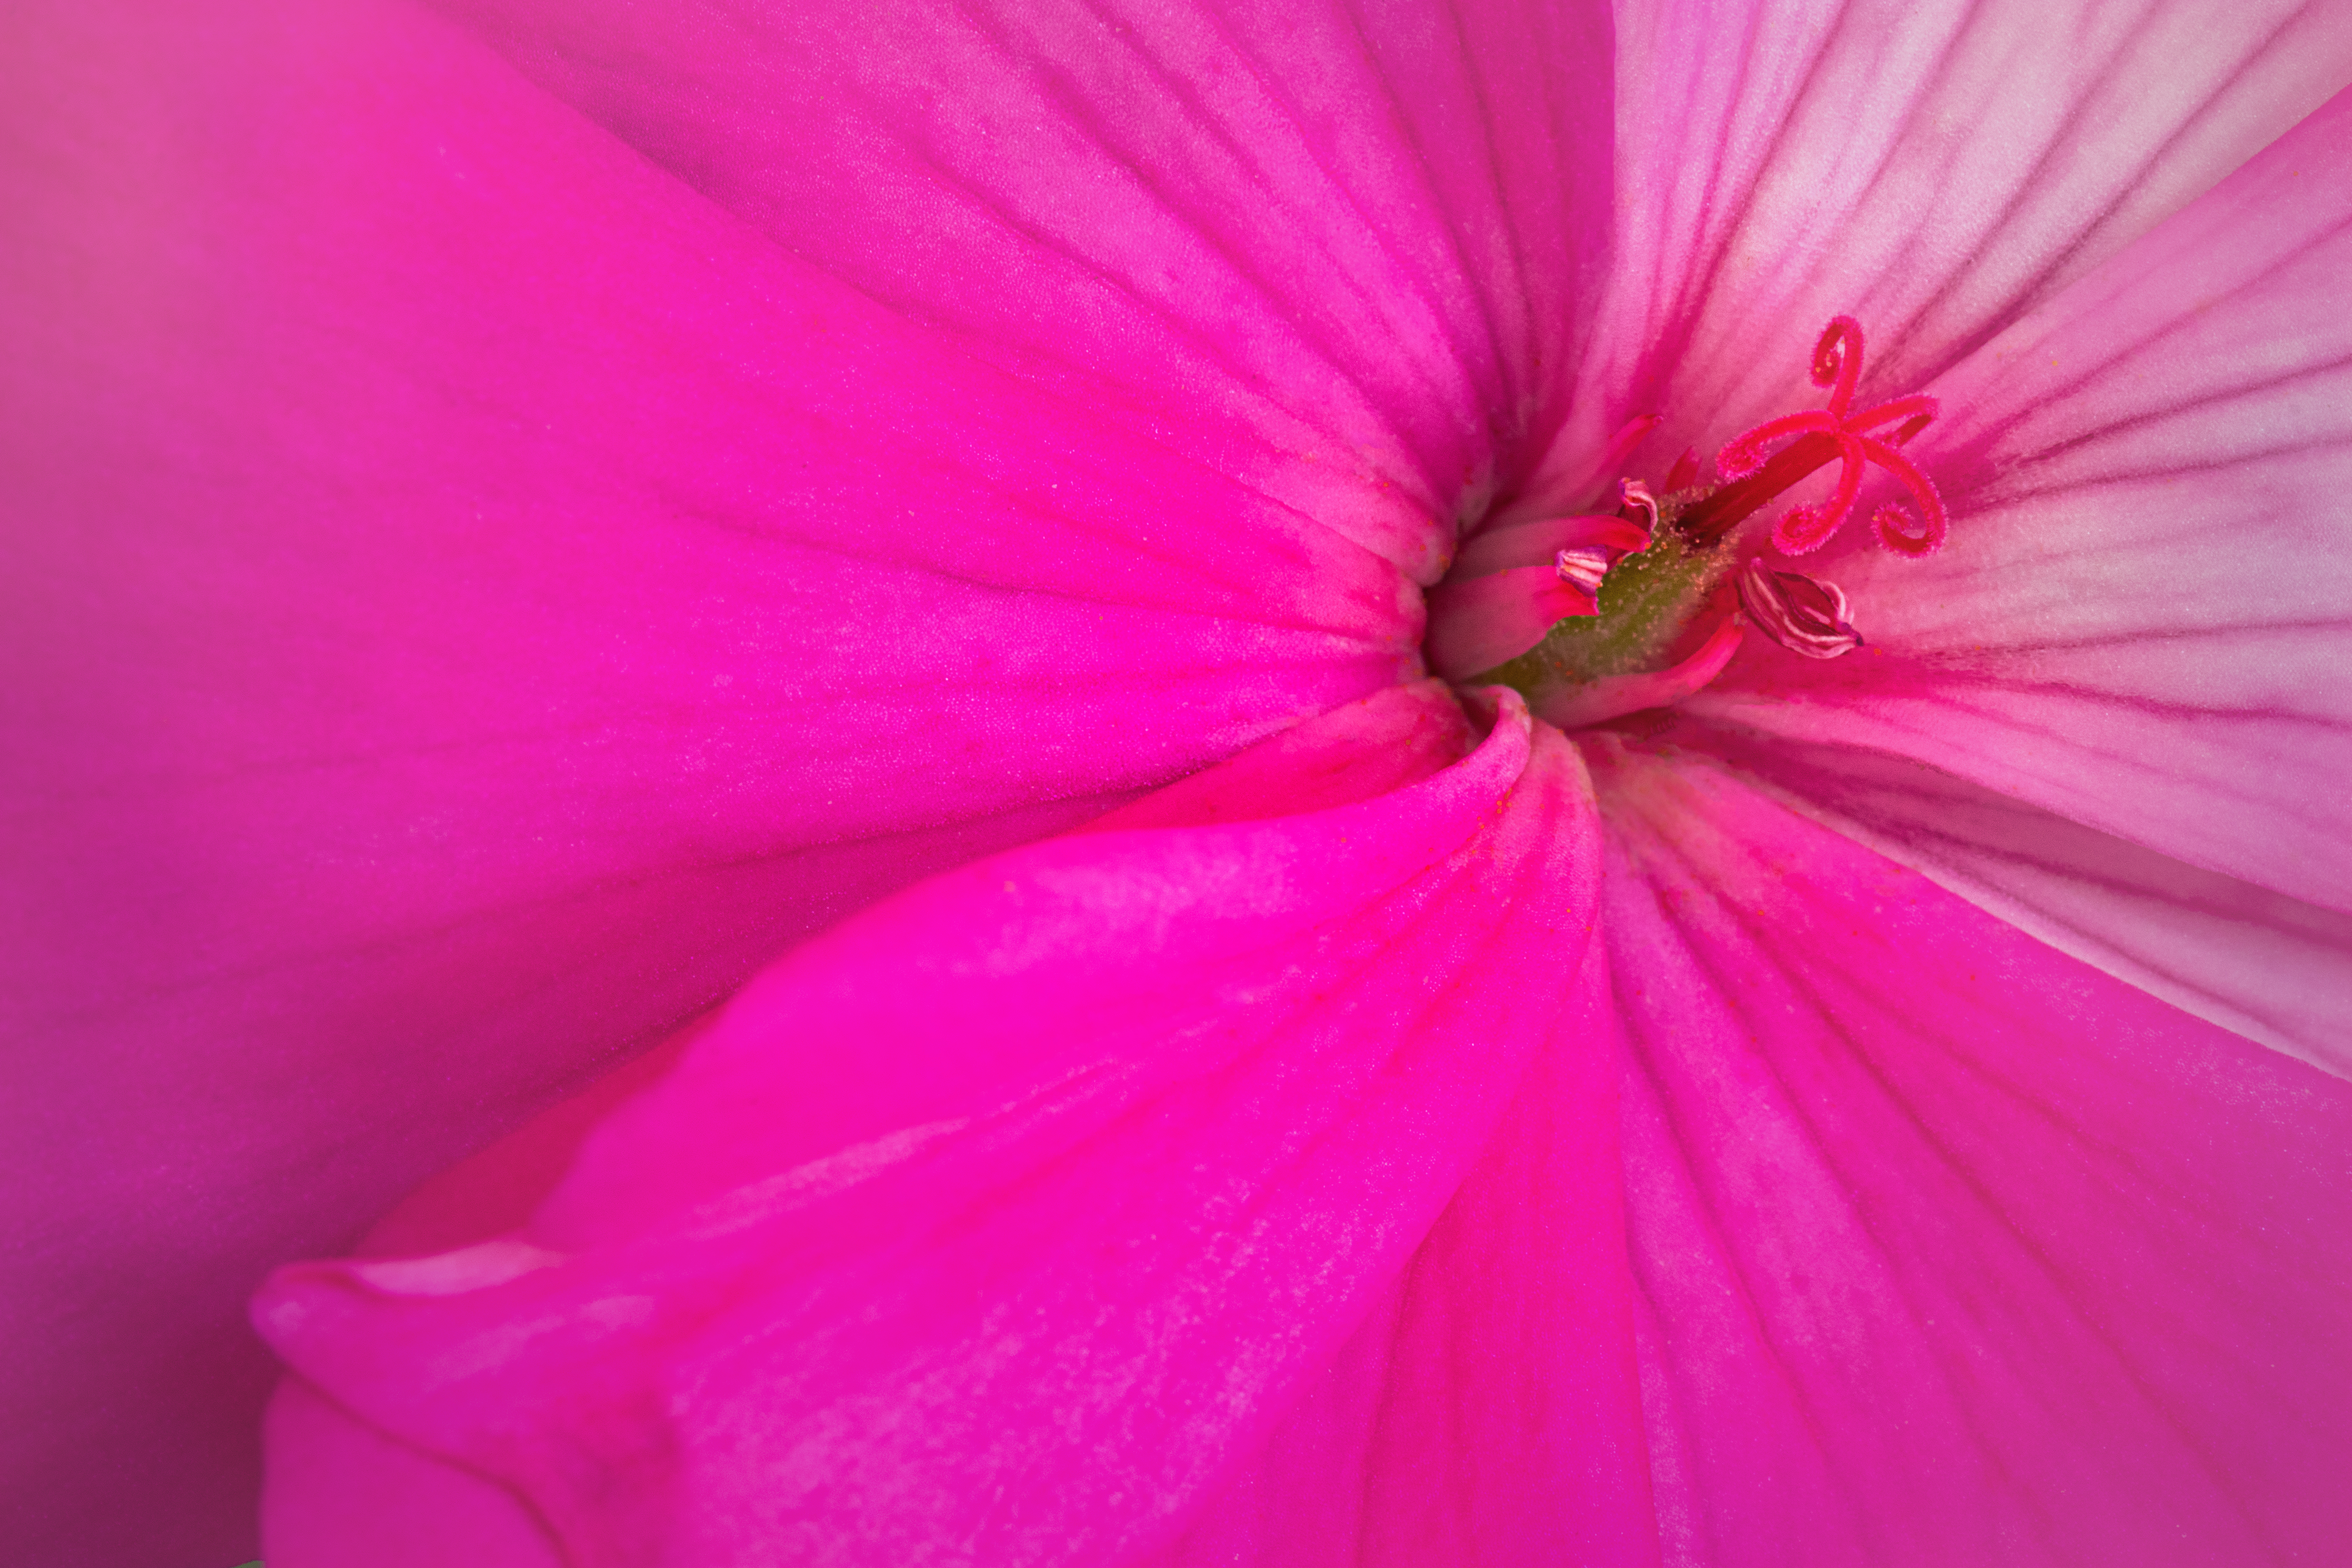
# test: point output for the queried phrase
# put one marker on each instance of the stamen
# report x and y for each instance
(1635, 504)
(1510, 585)
(1584, 566)
(1505, 610)
(1814, 437)
(1801, 613)
(1539, 540)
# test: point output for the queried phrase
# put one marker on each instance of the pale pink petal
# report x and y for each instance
(1488, 1412)
(1933, 169)
(2273, 968)
(2143, 617)
(1003, 1215)
(1952, 1250)
(1343, 253)
(470, 601)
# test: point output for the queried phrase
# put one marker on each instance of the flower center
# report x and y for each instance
(1594, 616)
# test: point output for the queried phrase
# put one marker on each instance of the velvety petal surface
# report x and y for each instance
(1341, 251)
(1488, 1411)
(996, 1224)
(470, 601)
(2143, 618)
(1949, 1248)
(1935, 170)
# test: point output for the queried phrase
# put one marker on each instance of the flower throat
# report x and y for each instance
(1685, 574)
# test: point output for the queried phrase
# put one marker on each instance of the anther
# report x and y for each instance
(1510, 585)
(1801, 613)
(1538, 541)
(1636, 504)
(1583, 566)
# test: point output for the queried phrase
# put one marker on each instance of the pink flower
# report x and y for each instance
(519, 518)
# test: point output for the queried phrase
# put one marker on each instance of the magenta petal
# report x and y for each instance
(2143, 617)
(1004, 1213)
(1933, 170)
(1953, 1250)
(1488, 1411)
(1343, 256)
(340, 1492)
(469, 602)
(1367, 749)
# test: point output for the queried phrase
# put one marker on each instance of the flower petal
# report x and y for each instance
(1165, 1110)
(2143, 616)
(2266, 966)
(1951, 1249)
(469, 602)
(1488, 1411)
(340, 1492)
(1344, 257)
(1935, 170)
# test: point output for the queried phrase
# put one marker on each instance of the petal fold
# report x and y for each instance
(470, 601)
(1011, 1212)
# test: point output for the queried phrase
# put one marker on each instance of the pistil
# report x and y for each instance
(1816, 438)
